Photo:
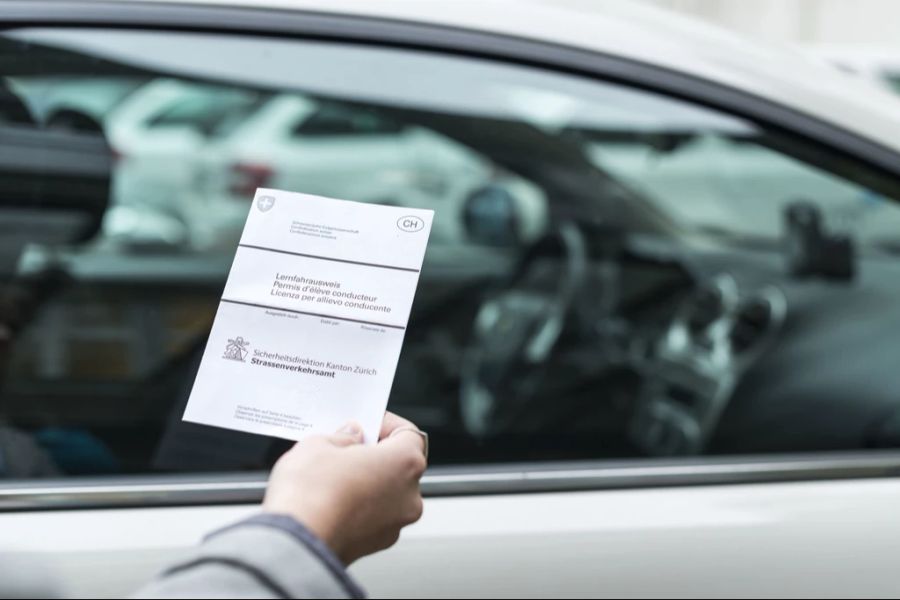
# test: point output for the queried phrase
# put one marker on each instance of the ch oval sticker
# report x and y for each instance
(410, 224)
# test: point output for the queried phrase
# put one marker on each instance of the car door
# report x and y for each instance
(628, 392)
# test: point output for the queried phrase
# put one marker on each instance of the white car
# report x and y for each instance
(648, 366)
(293, 142)
(157, 134)
(196, 153)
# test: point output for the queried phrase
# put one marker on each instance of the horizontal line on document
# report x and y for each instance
(340, 260)
(309, 314)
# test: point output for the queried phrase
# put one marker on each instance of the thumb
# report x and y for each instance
(348, 435)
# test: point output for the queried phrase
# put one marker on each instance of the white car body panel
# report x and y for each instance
(875, 64)
(774, 540)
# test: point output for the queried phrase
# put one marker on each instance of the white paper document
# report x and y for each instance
(312, 319)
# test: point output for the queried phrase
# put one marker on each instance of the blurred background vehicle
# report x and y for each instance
(158, 134)
(657, 324)
(297, 143)
(190, 155)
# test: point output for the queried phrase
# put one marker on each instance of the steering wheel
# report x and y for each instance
(516, 330)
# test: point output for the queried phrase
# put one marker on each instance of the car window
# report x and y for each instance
(612, 273)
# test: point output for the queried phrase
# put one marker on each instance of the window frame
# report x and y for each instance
(548, 476)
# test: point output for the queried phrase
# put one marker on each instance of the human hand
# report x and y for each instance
(355, 498)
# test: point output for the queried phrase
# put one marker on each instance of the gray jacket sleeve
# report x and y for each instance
(266, 556)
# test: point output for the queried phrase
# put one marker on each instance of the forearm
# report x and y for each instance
(267, 556)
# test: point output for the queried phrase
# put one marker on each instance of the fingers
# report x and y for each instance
(421, 439)
(348, 435)
(398, 437)
(392, 422)
(407, 451)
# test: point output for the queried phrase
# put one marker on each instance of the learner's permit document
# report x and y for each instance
(309, 329)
